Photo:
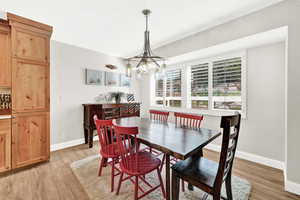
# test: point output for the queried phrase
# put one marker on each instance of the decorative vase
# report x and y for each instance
(118, 99)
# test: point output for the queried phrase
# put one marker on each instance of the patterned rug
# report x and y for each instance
(97, 188)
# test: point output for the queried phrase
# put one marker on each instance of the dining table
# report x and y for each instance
(176, 141)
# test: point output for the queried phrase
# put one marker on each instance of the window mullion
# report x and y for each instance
(164, 90)
(210, 86)
(188, 94)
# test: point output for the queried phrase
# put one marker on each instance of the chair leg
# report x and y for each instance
(161, 184)
(182, 186)
(100, 166)
(136, 188)
(228, 187)
(162, 163)
(120, 182)
(217, 196)
(175, 186)
(112, 175)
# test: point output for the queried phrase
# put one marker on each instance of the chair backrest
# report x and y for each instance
(106, 135)
(231, 129)
(128, 146)
(188, 120)
(159, 115)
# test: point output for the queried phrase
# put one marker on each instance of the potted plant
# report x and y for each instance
(117, 96)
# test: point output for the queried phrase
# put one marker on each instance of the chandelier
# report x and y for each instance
(146, 61)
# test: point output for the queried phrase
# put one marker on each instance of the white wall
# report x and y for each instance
(262, 132)
(282, 14)
(68, 89)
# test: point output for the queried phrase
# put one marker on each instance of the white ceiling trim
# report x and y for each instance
(264, 38)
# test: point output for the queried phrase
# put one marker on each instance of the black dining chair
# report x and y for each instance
(206, 174)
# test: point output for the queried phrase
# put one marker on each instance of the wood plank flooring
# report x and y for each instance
(55, 180)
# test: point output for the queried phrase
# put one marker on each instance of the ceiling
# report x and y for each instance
(116, 27)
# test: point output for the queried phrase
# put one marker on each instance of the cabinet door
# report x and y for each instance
(5, 69)
(30, 139)
(5, 145)
(30, 86)
(29, 44)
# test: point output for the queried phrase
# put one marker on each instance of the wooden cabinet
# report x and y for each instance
(105, 111)
(5, 59)
(30, 138)
(30, 86)
(29, 78)
(5, 145)
(30, 45)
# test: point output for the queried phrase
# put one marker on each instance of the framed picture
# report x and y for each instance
(125, 81)
(112, 79)
(94, 77)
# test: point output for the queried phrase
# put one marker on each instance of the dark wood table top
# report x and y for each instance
(166, 137)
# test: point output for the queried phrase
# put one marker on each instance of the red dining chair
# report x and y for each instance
(136, 164)
(161, 116)
(108, 147)
(188, 120)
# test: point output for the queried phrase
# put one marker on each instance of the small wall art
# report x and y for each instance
(112, 79)
(125, 81)
(94, 77)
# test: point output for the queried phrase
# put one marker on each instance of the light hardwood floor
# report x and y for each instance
(54, 180)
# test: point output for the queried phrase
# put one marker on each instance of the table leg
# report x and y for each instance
(86, 134)
(91, 135)
(168, 177)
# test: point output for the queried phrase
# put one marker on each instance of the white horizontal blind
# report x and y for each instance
(159, 90)
(173, 83)
(173, 88)
(199, 86)
(227, 84)
(199, 80)
(159, 86)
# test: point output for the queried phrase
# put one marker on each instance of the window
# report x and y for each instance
(173, 88)
(199, 86)
(227, 84)
(159, 90)
(211, 85)
(168, 89)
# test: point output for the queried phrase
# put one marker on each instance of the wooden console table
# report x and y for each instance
(106, 111)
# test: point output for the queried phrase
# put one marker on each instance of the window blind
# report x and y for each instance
(227, 84)
(173, 83)
(199, 80)
(159, 87)
(227, 75)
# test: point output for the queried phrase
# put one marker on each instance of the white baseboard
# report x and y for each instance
(251, 157)
(63, 145)
(292, 187)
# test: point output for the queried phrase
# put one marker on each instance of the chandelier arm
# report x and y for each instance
(139, 63)
(154, 61)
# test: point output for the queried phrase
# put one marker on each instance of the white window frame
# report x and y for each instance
(186, 98)
(164, 98)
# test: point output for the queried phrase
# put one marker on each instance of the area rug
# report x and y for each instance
(86, 170)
